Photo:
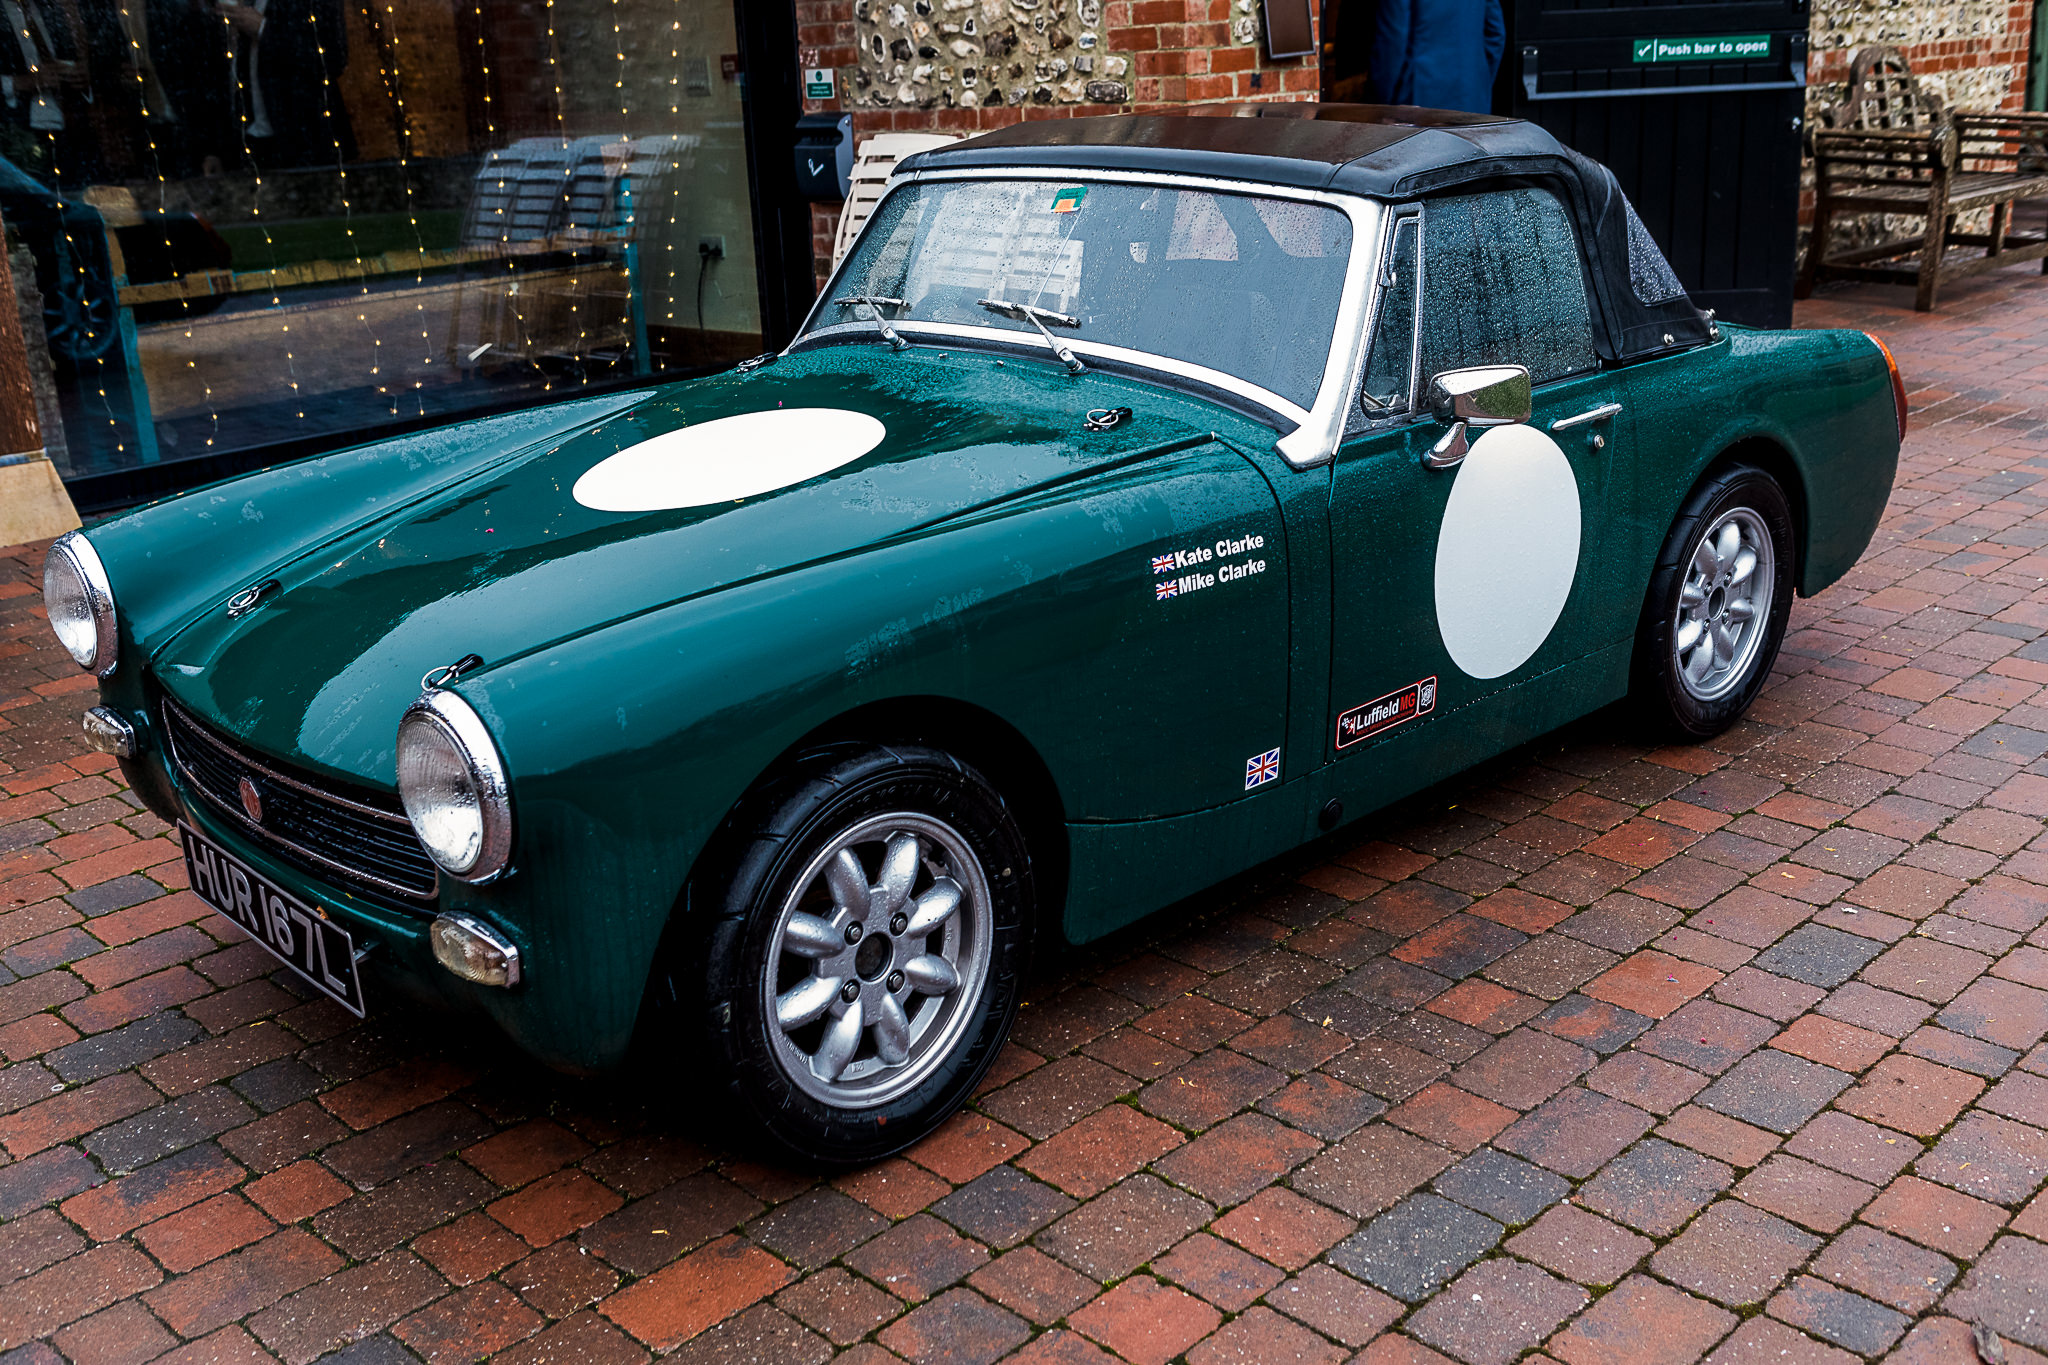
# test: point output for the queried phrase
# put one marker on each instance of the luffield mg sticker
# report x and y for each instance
(1230, 560)
(1384, 713)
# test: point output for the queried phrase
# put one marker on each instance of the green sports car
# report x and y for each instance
(1144, 497)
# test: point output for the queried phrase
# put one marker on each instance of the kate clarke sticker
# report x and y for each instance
(1189, 575)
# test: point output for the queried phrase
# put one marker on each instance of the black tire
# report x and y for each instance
(1669, 702)
(769, 847)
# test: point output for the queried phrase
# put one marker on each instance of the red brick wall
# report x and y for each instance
(1180, 52)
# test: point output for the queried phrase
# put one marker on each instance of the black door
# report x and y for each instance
(1697, 108)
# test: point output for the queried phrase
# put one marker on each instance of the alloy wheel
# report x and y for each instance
(878, 959)
(1724, 606)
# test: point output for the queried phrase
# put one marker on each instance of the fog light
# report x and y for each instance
(474, 951)
(108, 733)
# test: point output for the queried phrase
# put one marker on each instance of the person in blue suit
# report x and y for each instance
(1440, 54)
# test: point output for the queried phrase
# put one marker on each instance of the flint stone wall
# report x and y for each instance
(964, 66)
(970, 54)
(1969, 54)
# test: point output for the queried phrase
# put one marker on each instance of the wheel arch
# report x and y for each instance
(1758, 453)
(984, 741)
(971, 733)
(1771, 456)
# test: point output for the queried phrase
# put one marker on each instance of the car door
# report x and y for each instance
(1459, 591)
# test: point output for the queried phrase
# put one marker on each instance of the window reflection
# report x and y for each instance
(286, 223)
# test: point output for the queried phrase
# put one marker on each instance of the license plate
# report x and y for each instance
(318, 949)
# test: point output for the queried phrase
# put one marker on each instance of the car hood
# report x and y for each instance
(503, 560)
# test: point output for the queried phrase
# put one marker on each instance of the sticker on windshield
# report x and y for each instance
(1069, 200)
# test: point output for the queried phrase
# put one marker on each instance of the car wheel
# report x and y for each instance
(1718, 601)
(864, 960)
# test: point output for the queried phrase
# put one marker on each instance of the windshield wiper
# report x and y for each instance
(1038, 317)
(878, 303)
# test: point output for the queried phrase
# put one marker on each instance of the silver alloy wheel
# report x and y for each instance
(878, 960)
(1724, 608)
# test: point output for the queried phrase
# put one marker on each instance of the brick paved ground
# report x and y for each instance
(1634, 1055)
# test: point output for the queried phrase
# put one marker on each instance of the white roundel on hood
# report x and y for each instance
(1508, 550)
(728, 458)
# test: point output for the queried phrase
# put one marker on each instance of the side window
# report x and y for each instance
(1502, 285)
(1390, 370)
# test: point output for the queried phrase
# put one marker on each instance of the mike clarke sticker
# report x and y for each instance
(1363, 722)
(1229, 560)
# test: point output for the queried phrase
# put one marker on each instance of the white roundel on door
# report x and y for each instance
(727, 458)
(1508, 550)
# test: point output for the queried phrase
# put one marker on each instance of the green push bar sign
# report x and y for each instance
(1741, 47)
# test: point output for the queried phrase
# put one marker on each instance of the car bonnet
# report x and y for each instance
(510, 559)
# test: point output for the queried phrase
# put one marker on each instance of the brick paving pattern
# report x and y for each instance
(1637, 1056)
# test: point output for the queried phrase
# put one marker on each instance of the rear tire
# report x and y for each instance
(870, 923)
(1715, 614)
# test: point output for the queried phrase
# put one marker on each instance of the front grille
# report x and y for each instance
(350, 834)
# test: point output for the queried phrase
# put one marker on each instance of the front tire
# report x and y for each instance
(1719, 598)
(864, 962)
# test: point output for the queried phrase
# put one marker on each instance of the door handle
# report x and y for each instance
(1599, 414)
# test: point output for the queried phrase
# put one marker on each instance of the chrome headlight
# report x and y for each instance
(452, 783)
(80, 602)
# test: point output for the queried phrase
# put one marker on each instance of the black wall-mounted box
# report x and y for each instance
(824, 155)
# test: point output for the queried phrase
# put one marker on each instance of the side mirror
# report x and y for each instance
(1483, 396)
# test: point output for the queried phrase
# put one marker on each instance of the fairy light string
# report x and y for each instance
(140, 58)
(244, 102)
(531, 349)
(76, 263)
(139, 63)
(558, 295)
(575, 280)
(675, 164)
(497, 303)
(78, 271)
(386, 23)
(328, 95)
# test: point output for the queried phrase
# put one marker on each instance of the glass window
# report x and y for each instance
(1502, 285)
(1650, 276)
(287, 223)
(1240, 284)
(1390, 370)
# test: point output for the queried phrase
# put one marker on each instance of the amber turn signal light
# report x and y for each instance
(1898, 384)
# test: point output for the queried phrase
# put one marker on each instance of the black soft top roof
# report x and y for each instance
(1390, 152)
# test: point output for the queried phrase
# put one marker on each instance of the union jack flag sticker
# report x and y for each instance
(1162, 591)
(1162, 563)
(1261, 769)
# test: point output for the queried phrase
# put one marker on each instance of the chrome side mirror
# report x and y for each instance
(1482, 396)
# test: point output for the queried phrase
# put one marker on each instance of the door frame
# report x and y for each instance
(782, 216)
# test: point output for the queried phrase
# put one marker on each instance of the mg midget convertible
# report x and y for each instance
(1143, 497)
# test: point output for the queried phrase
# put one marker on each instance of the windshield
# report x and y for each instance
(1243, 284)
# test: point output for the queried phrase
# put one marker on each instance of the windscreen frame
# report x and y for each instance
(1314, 432)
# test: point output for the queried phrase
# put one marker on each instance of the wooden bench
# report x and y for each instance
(1890, 149)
